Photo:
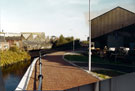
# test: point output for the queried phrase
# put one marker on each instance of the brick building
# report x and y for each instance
(14, 41)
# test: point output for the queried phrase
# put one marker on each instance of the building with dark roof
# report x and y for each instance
(115, 28)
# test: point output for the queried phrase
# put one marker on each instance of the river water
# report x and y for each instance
(12, 74)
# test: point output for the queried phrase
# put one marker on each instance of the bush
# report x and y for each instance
(13, 56)
(14, 49)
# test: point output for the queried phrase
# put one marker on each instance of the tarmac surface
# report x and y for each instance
(58, 74)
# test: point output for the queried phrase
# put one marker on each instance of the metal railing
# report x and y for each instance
(40, 76)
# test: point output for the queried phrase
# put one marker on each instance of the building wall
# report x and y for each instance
(110, 21)
(115, 40)
(120, 83)
(4, 46)
(18, 43)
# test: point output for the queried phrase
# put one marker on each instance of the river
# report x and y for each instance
(12, 74)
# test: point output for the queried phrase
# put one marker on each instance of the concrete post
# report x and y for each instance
(97, 86)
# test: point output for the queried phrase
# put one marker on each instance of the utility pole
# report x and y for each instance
(89, 40)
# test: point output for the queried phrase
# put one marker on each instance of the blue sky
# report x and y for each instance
(54, 17)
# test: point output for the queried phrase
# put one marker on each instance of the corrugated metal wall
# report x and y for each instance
(110, 21)
(120, 83)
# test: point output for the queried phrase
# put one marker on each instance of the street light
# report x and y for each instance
(89, 39)
(73, 44)
(73, 41)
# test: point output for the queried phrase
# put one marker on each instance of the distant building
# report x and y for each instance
(14, 41)
(33, 36)
(115, 28)
(3, 45)
(12, 34)
(34, 40)
(26, 40)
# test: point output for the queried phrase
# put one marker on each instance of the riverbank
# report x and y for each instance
(13, 74)
(13, 56)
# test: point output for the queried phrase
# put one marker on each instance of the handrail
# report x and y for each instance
(40, 76)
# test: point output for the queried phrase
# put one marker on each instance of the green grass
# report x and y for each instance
(80, 58)
(102, 75)
(97, 59)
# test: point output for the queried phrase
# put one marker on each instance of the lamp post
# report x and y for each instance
(73, 40)
(89, 39)
(73, 44)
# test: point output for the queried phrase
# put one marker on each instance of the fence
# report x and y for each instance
(40, 76)
(120, 83)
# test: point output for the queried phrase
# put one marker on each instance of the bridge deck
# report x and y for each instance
(58, 74)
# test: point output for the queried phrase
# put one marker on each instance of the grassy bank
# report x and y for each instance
(13, 55)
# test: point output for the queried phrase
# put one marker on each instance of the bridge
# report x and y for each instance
(50, 72)
(55, 74)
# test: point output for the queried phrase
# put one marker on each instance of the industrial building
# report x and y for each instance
(115, 28)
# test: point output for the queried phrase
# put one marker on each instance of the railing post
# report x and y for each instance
(97, 86)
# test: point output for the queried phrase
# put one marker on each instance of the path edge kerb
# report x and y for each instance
(25, 79)
(68, 61)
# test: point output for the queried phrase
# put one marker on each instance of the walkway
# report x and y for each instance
(58, 74)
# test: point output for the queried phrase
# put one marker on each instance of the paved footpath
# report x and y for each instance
(58, 74)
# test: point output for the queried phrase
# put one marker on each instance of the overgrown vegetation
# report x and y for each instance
(108, 73)
(13, 55)
(102, 76)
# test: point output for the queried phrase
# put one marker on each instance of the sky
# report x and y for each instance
(99, 7)
(55, 17)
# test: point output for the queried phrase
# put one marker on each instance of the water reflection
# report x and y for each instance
(12, 74)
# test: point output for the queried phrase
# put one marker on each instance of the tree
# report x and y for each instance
(61, 40)
(69, 39)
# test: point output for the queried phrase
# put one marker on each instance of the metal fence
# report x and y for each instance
(40, 76)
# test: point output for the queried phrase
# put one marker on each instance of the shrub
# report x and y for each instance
(14, 49)
(13, 56)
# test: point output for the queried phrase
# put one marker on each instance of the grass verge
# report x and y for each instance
(79, 58)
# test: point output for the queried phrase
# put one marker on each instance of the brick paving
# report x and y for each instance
(58, 74)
